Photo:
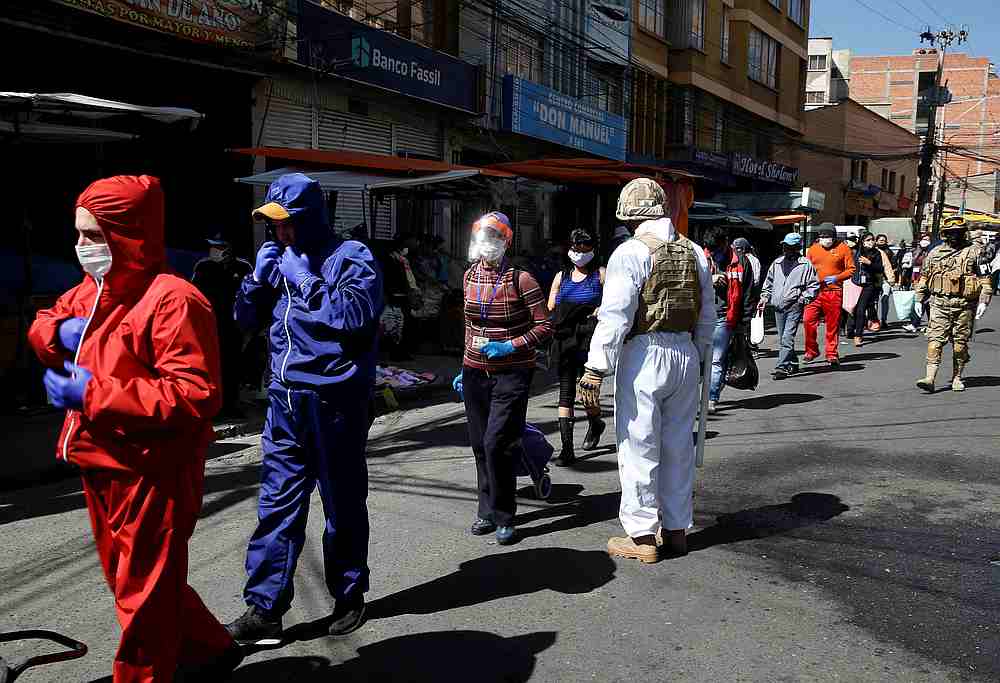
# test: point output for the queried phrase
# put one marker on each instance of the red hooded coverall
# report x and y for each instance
(142, 435)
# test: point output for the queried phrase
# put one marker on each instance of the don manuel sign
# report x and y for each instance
(245, 24)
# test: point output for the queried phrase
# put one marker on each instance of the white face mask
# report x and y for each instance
(405, 251)
(925, 243)
(826, 242)
(580, 258)
(95, 259)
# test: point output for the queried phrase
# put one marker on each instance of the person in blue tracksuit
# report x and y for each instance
(322, 296)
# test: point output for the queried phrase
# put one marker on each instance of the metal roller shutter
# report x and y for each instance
(422, 141)
(288, 124)
(340, 130)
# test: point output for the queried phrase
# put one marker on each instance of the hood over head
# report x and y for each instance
(129, 210)
(299, 197)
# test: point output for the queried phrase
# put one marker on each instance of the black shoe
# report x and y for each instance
(834, 363)
(506, 535)
(566, 456)
(481, 527)
(779, 373)
(348, 615)
(255, 627)
(594, 430)
(216, 669)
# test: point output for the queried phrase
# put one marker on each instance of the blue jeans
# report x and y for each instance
(787, 326)
(720, 358)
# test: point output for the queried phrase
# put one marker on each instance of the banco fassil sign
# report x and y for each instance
(338, 45)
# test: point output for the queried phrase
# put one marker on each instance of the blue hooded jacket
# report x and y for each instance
(323, 328)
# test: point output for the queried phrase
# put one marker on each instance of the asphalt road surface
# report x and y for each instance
(846, 523)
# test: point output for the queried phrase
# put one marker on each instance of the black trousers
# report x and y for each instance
(861, 310)
(495, 407)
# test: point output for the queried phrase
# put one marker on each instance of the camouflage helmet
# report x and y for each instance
(641, 199)
(953, 223)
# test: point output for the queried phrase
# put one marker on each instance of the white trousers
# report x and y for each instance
(656, 402)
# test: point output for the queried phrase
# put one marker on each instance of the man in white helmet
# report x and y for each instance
(656, 320)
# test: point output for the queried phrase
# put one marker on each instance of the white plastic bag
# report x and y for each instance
(903, 303)
(757, 328)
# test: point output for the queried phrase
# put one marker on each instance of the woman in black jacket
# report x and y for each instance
(867, 275)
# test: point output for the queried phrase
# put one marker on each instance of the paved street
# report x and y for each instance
(845, 528)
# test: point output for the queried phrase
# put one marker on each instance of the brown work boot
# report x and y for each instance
(956, 381)
(642, 548)
(927, 383)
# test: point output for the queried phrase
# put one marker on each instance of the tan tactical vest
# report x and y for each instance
(671, 298)
(954, 274)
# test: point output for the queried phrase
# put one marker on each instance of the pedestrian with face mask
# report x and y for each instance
(321, 297)
(878, 309)
(868, 276)
(732, 278)
(575, 299)
(219, 277)
(920, 252)
(506, 320)
(834, 264)
(133, 357)
(957, 293)
(791, 284)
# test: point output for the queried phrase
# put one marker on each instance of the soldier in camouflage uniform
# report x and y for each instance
(958, 294)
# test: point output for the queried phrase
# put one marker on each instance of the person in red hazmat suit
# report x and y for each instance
(133, 356)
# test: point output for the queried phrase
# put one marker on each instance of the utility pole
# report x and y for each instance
(945, 39)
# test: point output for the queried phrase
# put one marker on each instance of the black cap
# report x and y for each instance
(827, 232)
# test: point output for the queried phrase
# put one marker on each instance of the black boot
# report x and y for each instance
(594, 430)
(567, 456)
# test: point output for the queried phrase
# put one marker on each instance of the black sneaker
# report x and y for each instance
(481, 527)
(779, 373)
(216, 669)
(255, 627)
(348, 615)
(594, 431)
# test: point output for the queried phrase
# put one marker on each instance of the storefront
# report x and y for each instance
(860, 204)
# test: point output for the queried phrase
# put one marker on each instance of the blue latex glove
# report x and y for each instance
(495, 349)
(67, 392)
(70, 331)
(459, 386)
(267, 261)
(293, 266)
(830, 280)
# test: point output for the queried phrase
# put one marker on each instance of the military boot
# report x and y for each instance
(956, 381)
(566, 456)
(927, 383)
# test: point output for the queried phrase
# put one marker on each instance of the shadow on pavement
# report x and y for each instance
(859, 357)
(770, 401)
(436, 656)
(805, 509)
(485, 579)
(810, 370)
(561, 493)
(982, 381)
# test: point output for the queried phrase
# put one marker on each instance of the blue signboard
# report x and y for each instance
(532, 109)
(338, 45)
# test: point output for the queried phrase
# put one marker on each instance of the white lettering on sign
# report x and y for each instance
(574, 124)
(406, 69)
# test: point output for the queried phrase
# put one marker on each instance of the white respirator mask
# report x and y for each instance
(826, 242)
(95, 259)
(925, 243)
(580, 258)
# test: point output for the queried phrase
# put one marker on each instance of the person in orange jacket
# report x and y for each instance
(133, 356)
(834, 263)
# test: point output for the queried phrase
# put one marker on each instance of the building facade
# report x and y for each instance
(858, 190)
(829, 74)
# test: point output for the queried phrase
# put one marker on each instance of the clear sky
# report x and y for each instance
(862, 29)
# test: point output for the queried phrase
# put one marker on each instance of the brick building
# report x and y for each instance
(892, 86)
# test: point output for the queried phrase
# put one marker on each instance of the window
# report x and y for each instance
(725, 34)
(762, 61)
(892, 182)
(855, 169)
(817, 62)
(697, 40)
(521, 54)
(796, 11)
(652, 16)
(864, 171)
(719, 142)
(885, 179)
(815, 97)
(606, 93)
(902, 186)
(688, 117)
(776, 4)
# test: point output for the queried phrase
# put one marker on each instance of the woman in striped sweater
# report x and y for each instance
(505, 320)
